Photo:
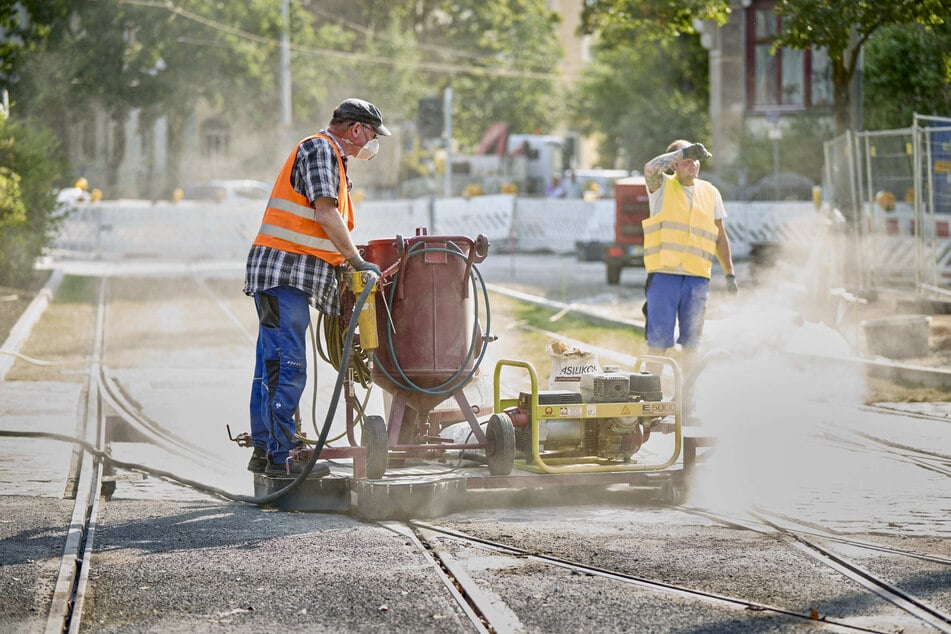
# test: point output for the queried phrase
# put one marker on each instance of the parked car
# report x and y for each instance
(599, 183)
(231, 191)
(782, 186)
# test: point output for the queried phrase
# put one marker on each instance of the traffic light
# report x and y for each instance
(429, 118)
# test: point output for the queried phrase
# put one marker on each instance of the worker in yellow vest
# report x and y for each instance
(294, 262)
(683, 234)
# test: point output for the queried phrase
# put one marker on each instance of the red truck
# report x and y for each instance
(630, 208)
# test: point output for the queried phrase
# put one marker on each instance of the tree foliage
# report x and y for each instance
(640, 94)
(499, 56)
(618, 20)
(843, 28)
(506, 36)
(162, 58)
(30, 166)
(907, 70)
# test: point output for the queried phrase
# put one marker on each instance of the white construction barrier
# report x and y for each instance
(193, 230)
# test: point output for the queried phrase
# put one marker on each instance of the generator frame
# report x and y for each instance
(541, 463)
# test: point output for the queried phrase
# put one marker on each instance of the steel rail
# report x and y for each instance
(69, 591)
(882, 409)
(878, 586)
(460, 586)
(929, 461)
(809, 530)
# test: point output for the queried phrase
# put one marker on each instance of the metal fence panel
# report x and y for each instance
(893, 188)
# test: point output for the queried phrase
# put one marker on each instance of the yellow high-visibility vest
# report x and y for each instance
(682, 237)
(289, 223)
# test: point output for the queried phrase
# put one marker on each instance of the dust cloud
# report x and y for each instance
(772, 357)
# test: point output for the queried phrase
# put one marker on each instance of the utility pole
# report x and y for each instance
(447, 135)
(286, 66)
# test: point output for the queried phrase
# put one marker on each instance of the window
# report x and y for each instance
(215, 138)
(789, 80)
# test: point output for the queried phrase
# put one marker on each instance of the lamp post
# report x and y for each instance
(286, 65)
(774, 132)
(447, 136)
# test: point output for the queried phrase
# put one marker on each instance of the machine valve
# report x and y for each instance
(243, 439)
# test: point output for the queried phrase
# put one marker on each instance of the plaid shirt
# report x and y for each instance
(269, 267)
(315, 175)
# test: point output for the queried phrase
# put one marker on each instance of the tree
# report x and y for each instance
(843, 28)
(640, 94)
(617, 20)
(913, 61)
(161, 58)
(30, 165)
(510, 74)
(499, 56)
(25, 25)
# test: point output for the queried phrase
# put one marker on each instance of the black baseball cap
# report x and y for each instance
(362, 111)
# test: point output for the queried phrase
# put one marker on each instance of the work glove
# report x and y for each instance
(731, 286)
(357, 263)
(696, 152)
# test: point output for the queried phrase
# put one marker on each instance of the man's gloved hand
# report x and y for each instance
(357, 263)
(696, 152)
(731, 286)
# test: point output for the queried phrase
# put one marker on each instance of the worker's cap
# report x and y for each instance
(362, 111)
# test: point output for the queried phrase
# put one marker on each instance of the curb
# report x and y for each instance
(21, 330)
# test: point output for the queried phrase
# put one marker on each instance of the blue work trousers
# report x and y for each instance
(675, 302)
(280, 369)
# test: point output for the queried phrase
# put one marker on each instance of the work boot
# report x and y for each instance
(293, 468)
(258, 461)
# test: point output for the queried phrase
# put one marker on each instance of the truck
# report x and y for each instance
(631, 206)
(527, 161)
(545, 155)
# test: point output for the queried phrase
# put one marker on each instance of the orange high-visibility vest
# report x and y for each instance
(682, 235)
(289, 223)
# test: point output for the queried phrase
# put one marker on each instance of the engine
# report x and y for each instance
(614, 439)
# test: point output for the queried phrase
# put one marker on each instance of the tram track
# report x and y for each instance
(488, 608)
(929, 460)
(806, 541)
(441, 542)
(69, 592)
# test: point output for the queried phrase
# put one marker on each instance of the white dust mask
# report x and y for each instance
(369, 150)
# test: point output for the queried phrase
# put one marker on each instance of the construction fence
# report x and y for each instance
(203, 230)
(892, 190)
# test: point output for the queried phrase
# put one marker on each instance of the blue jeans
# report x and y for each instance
(674, 300)
(280, 369)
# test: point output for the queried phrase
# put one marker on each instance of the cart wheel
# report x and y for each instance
(375, 439)
(500, 444)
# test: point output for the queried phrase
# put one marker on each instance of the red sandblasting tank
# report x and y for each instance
(425, 311)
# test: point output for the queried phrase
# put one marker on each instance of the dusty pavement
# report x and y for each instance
(166, 558)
